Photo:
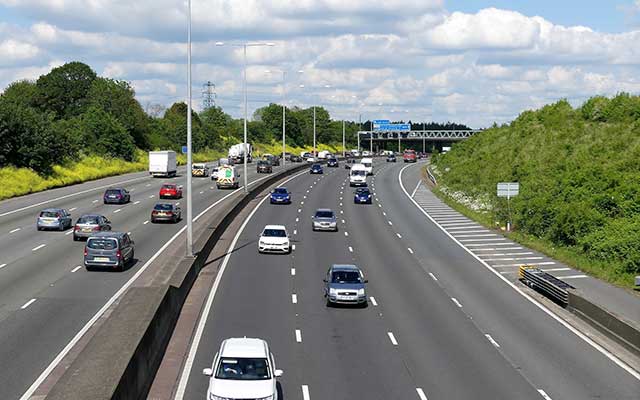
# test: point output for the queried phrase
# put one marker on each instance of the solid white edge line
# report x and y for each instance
(351, 249)
(76, 268)
(27, 304)
(456, 302)
(34, 386)
(421, 394)
(433, 276)
(493, 342)
(298, 336)
(416, 189)
(188, 365)
(305, 392)
(544, 395)
(544, 309)
(392, 338)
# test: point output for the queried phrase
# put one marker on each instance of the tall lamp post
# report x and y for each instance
(244, 89)
(314, 121)
(284, 128)
(189, 249)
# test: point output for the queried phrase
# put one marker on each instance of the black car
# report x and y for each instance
(316, 169)
(332, 163)
(116, 196)
(348, 162)
(391, 158)
(295, 158)
(264, 166)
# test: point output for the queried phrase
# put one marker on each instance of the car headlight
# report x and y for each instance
(361, 292)
(333, 291)
(261, 243)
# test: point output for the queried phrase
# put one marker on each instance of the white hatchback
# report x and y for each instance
(274, 239)
(244, 368)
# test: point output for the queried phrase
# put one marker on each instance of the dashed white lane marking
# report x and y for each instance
(513, 258)
(73, 209)
(178, 203)
(293, 271)
(410, 250)
(573, 277)
(433, 276)
(390, 223)
(148, 184)
(27, 304)
(297, 219)
(299, 210)
(456, 302)
(201, 192)
(379, 206)
(138, 202)
(373, 301)
(295, 231)
(69, 233)
(38, 247)
(351, 249)
(302, 202)
(421, 394)
(294, 298)
(152, 196)
(117, 211)
(2, 265)
(399, 236)
(14, 230)
(145, 222)
(343, 222)
(293, 247)
(341, 212)
(544, 395)
(128, 233)
(76, 268)
(304, 197)
(307, 191)
(493, 342)
(392, 338)
(346, 233)
(305, 392)
(556, 269)
(384, 213)
(95, 201)
(298, 336)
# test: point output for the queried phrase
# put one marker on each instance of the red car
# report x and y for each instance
(170, 190)
(409, 156)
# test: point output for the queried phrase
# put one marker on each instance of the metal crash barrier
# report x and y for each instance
(548, 284)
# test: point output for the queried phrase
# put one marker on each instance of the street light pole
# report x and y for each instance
(314, 131)
(284, 121)
(189, 249)
(344, 150)
(245, 145)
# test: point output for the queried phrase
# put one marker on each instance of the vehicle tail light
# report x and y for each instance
(85, 252)
(154, 212)
(119, 254)
(169, 212)
(96, 228)
(76, 228)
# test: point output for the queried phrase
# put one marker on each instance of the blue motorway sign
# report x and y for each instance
(392, 127)
(381, 121)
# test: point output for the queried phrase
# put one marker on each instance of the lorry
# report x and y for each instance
(199, 169)
(358, 175)
(237, 151)
(227, 177)
(409, 156)
(162, 163)
(324, 154)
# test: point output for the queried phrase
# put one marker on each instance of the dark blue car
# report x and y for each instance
(116, 196)
(316, 169)
(280, 196)
(362, 196)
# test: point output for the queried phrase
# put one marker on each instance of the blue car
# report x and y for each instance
(316, 169)
(280, 196)
(362, 196)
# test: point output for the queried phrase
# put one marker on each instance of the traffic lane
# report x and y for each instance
(549, 355)
(254, 298)
(54, 285)
(444, 350)
(346, 351)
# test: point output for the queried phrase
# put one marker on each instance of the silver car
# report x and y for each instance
(54, 218)
(111, 250)
(324, 220)
(90, 224)
(345, 284)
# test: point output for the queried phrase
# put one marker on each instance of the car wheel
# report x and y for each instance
(88, 268)
(329, 305)
(62, 227)
(75, 238)
(120, 266)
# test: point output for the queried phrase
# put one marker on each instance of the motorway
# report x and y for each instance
(46, 296)
(439, 325)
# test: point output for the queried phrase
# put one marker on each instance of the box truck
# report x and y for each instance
(162, 163)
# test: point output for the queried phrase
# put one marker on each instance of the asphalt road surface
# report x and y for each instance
(438, 325)
(46, 296)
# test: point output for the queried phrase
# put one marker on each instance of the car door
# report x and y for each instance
(67, 218)
(105, 224)
(127, 247)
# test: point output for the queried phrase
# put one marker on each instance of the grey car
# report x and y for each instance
(110, 250)
(90, 224)
(166, 212)
(345, 284)
(54, 218)
(324, 220)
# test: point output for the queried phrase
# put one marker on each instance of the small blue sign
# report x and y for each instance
(381, 121)
(393, 127)
(184, 149)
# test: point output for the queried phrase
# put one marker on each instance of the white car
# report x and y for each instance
(243, 369)
(311, 160)
(274, 239)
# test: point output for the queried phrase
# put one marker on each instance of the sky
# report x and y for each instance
(470, 61)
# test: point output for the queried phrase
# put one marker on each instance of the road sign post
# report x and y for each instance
(508, 190)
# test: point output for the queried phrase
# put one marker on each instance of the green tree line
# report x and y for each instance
(579, 174)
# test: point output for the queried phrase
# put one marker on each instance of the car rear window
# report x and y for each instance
(49, 214)
(163, 207)
(274, 233)
(324, 214)
(102, 243)
(358, 172)
(170, 187)
(112, 191)
(362, 191)
(88, 220)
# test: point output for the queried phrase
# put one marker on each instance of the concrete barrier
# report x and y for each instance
(624, 332)
(121, 359)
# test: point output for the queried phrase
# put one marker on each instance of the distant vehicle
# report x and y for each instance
(332, 163)
(274, 160)
(358, 175)
(200, 169)
(446, 149)
(237, 152)
(391, 158)
(116, 196)
(54, 218)
(386, 152)
(345, 284)
(89, 224)
(409, 156)
(243, 368)
(324, 220)
(113, 250)
(264, 167)
(355, 153)
(295, 158)
(348, 162)
(225, 161)
(316, 169)
(311, 160)
(228, 177)
(287, 156)
(274, 239)
(368, 164)
(306, 154)
(324, 154)
(163, 163)
(168, 212)
(280, 195)
(367, 153)
(170, 191)
(362, 196)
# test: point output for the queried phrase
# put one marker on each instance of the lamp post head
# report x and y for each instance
(219, 43)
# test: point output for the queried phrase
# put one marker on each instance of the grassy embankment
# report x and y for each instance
(20, 181)
(579, 174)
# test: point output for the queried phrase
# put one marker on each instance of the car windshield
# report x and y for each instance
(263, 162)
(362, 191)
(102, 244)
(198, 166)
(88, 219)
(280, 191)
(345, 277)
(316, 166)
(274, 233)
(332, 160)
(245, 369)
(112, 192)
(324, 214)
(367, 164)
(163, 207)
(358, 172)
(49, 214)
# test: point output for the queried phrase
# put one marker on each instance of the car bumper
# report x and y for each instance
(358, 183)
(280, 201)
(50, 225)
(164, 218)
(81, 234)
(347, 299)
(112, 263)
(273, 248)
(319, 227)
(362, 201)
(113, 201)
(170, 196)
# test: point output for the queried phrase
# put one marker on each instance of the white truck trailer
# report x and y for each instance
(163, 163)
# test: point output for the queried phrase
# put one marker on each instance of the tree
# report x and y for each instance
(64, 90)
(217, 127)
(21, 92)
(106, 136)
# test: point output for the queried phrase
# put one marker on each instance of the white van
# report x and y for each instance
(368, 164)
(227, 177)
(358, 175)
